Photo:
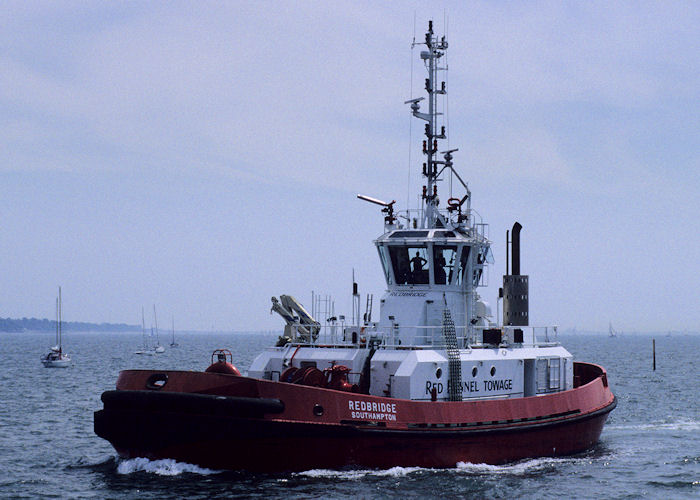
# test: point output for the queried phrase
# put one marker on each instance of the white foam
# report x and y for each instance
(516, 469)
(352, 475)
(398, 471)
(164, 467)
(683, 425)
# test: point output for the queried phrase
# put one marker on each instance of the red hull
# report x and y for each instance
(229, 422)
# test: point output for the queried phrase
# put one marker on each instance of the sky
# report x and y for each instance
(205, 156)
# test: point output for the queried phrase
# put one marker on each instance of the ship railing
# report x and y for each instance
(434, 336)
(342, 335)
(524, 336)
(421, 336)
(329, 334)
(411, 218)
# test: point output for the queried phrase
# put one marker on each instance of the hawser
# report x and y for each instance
(432, 382)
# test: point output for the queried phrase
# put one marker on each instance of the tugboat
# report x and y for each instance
(434, 382)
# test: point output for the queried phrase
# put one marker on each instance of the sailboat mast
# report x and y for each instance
(143, 327)
(56, 320)
(60, 326)
(155, 318)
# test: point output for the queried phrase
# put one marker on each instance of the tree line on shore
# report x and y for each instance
(46, 325)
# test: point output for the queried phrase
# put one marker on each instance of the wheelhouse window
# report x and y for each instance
(383, 255)
(444, 234)
(409, 234)
(463, 261)
(444, 260)
(410, 264)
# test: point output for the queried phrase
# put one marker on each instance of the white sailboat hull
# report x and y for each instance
(62, 362)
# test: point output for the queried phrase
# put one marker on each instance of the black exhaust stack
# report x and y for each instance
(516, 248)
(515, 287)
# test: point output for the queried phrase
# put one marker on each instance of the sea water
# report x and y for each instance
(650, 446)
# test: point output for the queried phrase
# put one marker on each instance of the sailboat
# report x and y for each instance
(56, 358)
(157, 347)
(611, 330)
(145, 349)
(173, 343)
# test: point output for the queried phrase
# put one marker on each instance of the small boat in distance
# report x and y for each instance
(157, 348)
(611, 330)
(56, 358)
(172, 342)
(145, 350)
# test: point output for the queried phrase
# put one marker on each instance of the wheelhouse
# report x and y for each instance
(439, 257)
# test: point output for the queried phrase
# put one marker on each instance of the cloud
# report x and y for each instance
(618, 54)
(564, 107)
(527, 154)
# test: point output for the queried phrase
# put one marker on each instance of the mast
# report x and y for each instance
(60, 326)
(155, 318)
(56, 320)
(431, 57)
(143, 328)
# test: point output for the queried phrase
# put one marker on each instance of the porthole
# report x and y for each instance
(318, 410)
(493, 371)
(475, 370)
(438, 372)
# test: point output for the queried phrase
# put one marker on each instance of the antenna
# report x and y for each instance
(388, 207)
(374, 200)
(414, 101)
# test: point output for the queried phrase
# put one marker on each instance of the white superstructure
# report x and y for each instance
(435, 338)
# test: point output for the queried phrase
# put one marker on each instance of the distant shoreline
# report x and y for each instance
(9, 325)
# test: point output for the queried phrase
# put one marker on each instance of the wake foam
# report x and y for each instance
(164, 467)
(682, 425)
(169, 467)
(514, 469)
(352, 475)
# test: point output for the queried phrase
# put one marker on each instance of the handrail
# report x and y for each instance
(423, 336)
(474, 218)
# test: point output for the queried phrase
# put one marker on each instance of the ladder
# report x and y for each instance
(368, 309)
(454, 360)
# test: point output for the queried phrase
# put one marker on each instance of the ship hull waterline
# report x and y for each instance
(238, 423)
